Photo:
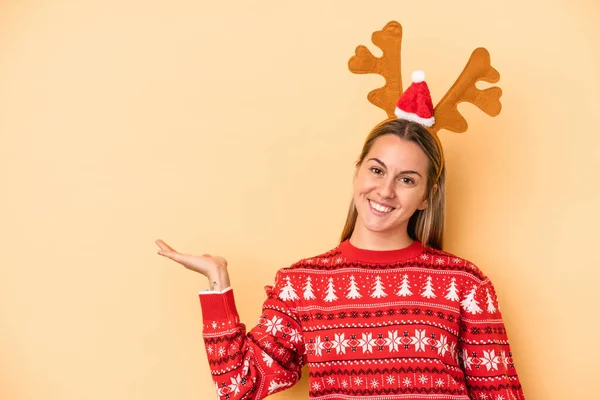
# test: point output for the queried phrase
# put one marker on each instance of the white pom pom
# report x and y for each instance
(418, 76)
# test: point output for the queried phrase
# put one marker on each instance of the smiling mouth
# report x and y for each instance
(380, 208)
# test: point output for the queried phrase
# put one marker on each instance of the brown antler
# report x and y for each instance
(388, 65)
(478, 68)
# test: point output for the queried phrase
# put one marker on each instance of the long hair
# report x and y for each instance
(426, 226)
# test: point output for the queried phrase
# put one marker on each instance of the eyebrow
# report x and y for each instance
(401, 172)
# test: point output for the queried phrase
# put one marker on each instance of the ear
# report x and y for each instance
(425, 201)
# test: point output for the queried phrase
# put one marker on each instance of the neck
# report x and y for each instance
(365, 239)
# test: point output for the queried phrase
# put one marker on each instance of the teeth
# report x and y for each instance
(379, 207)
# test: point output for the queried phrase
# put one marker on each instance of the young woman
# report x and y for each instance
(387, 314)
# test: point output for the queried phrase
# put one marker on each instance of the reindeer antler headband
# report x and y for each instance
(415, 104)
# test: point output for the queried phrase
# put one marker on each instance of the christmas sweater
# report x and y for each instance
(414, 323)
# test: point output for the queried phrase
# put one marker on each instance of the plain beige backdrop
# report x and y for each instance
(232, 128)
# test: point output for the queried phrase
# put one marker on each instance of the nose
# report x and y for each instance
(387, 188)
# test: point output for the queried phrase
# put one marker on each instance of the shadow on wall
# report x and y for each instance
(8, 389)
(298, 391)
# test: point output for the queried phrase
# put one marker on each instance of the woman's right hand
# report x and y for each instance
(213, 267)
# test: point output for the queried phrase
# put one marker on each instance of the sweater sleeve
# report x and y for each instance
(258, 363)
(485, 354)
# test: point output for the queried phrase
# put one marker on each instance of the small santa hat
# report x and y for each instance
(415, 103)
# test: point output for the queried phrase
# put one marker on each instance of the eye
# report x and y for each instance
(406, 180)
(376, 170)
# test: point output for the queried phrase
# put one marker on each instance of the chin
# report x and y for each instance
(382, 230)
(379, 228)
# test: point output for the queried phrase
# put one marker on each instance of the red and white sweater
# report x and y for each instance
(415, 323)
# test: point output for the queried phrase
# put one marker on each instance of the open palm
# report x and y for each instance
(207, 265)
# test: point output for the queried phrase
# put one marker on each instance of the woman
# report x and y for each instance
(386, 314)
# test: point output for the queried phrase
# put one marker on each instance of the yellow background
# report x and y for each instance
(232, 128)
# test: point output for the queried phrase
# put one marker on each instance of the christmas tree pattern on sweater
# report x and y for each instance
(426, 326)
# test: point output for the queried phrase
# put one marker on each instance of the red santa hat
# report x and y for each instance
(415, 103)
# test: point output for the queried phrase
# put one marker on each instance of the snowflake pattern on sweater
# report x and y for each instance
(364, 333)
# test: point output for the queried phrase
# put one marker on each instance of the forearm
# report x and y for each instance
(255, 364)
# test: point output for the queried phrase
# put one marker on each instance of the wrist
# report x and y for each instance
(218, 281)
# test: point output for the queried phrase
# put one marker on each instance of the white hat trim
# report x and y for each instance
(428, 122)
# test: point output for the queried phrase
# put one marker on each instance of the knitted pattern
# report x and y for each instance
(415, 323)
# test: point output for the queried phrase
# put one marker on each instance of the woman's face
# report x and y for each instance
(390, 185)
